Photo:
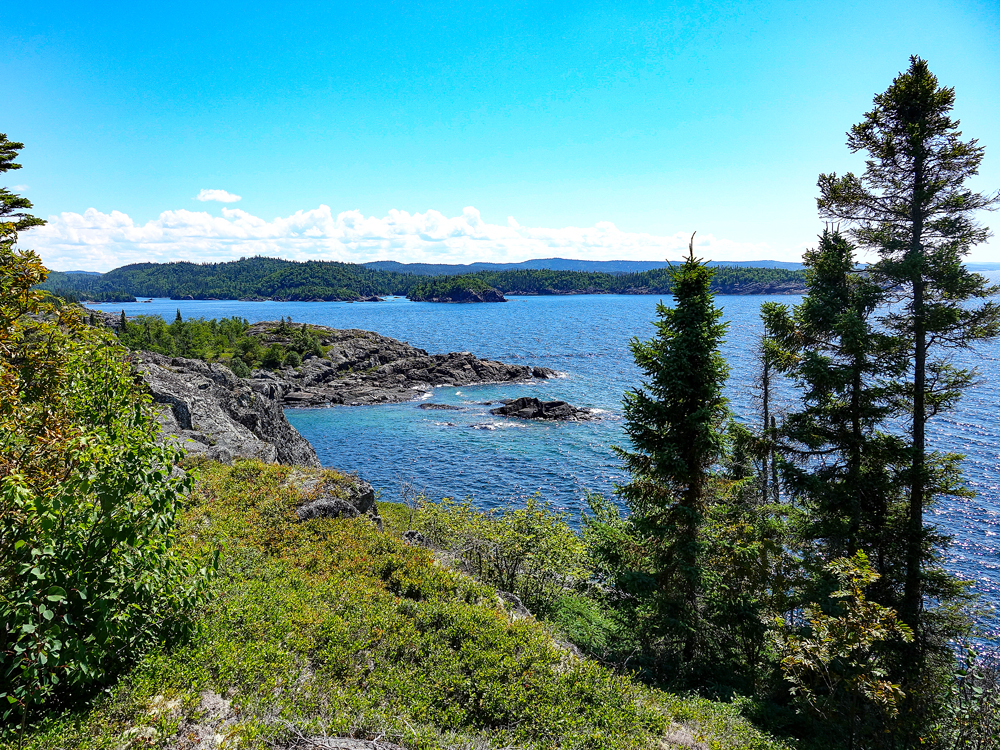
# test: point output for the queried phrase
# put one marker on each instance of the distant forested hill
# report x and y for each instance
(270, 278)
(560, 264)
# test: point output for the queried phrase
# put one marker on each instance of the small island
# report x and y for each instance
(455, 289)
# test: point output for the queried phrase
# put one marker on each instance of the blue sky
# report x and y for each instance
(460, 132)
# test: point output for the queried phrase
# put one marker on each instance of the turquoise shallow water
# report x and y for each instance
(468, 452)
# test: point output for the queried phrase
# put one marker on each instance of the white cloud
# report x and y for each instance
(101, 241)
(217, 195)
(20, 188)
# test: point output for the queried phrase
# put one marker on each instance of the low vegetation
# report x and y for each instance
(331, 627)
(229, 341)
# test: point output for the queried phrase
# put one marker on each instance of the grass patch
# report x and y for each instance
(330, 627)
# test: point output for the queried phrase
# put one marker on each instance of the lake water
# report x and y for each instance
(469, 452)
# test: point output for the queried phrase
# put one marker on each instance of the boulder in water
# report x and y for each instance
(527, 407)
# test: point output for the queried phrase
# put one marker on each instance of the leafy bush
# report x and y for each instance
(293, 359)
(196, 338)
(836, 669)
(88, 576)
(273, 356)
(529, 551)
(330, 627)
(239, 368)
(305, 342)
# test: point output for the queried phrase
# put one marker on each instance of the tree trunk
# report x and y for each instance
(914, 542)
(765, 386)
(774, 464)
(854, 460)
(912, 593)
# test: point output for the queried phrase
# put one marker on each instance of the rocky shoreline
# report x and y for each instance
(362, 367)
(208, 410)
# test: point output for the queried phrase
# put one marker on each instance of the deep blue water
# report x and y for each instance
(471, 453)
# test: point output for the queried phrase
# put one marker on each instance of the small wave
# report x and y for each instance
(497, 426)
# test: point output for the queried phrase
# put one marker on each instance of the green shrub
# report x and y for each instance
(249, 350)
(305, 342)
(273, 356)
(293, 359)
(88, 576)
(239, 368)
(529, 551)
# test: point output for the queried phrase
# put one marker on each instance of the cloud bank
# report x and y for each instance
(101, 241)
(217, 195)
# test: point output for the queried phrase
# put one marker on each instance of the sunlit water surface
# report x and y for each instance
(469, 452)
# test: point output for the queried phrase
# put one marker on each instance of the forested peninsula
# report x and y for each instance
(273, 279)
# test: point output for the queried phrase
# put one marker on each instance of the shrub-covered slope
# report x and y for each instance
(331, 628)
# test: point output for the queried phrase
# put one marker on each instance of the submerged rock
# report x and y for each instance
(207, 410)
(445, 407)
(527, 407)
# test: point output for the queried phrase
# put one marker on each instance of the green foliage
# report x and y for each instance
(88, 576)
(841, 461)
(339, 629)
(448, 287)
(674, 426)
(971, 716)
(273, 357)
(304, 341)
(293, 359)
(239, 368)
(270, 278)
(836, 668)
(195, 338)
(529, 551)
(912, 206)
(13, 208)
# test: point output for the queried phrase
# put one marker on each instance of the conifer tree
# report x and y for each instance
(13, 215)
(675, 426)
(841, 461)
(912, 206)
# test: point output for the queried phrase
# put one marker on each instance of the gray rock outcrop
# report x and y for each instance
(532, 408)
(207, 410)
(348, 495)
(361, 367)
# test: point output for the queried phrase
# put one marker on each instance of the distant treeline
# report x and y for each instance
(270, 278)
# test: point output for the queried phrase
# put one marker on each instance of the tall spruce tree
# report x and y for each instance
(911, 206)
(675, 426)
(841, 461)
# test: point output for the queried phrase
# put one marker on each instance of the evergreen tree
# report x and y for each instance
(841, 464)
(675, 426)
(13, 216)
(911, 206)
